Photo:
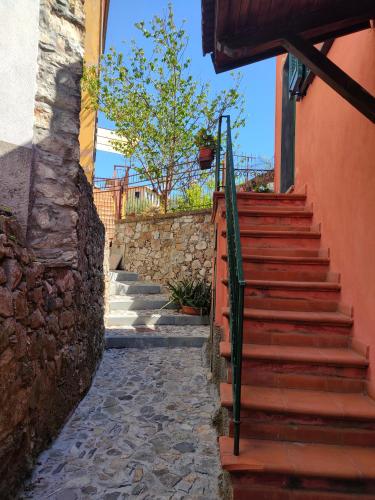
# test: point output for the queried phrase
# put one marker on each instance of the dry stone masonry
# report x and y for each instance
(51, 339)
(51, 297)
(55, 187)
(167, 247)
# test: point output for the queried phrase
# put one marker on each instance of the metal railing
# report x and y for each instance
(130, 194)
(225, 176)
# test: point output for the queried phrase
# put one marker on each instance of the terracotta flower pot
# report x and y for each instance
(194, 311)
(206, 157)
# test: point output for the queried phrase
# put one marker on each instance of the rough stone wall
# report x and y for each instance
(167, 247)
(51, 339)
(55, 194)
(51, 284)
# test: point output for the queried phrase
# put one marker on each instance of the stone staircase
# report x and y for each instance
(307, 423)
(135, 303)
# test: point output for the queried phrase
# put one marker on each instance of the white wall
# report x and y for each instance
(19, 28)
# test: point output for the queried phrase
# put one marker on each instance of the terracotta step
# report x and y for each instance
(330, 405)
(256, 238)
(294, 337)
(306, 228)
(282, 263)
(278, 231)
(309, 467)
(269, 199)
(313, 275)
(293, 367)
(323, 290)
(304, 415)
(291, 304)
(263, 320)
(244, 491)
(291, 252)
(260, 216)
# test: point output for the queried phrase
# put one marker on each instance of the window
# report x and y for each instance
(298, 73)
(300, 76)
(137, 194)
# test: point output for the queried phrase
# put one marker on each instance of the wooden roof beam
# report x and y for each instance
(332, 75)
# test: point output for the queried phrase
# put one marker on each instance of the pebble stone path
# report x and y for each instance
(144, 430)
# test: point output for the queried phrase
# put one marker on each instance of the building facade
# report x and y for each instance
(334, 162)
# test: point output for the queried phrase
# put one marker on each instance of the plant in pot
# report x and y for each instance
(206, 144)
(193, 296)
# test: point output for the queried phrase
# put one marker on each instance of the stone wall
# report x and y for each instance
(51, 339)
(167, 247)
(55, 194)
(51, 283)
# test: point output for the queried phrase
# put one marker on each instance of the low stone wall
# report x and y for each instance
(167, 247)
(51, 339)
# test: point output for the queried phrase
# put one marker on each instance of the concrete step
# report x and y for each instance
(153, 317)
(152, 341)
(123, 276)
(133, 288)
(139, 302)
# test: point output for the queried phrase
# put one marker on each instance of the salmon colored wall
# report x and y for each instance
(335, 159)
(95, 26)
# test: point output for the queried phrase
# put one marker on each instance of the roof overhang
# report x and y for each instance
(239, 32)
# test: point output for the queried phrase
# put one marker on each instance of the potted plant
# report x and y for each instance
(193, 296)
(206, 144)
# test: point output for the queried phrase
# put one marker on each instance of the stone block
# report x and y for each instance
(20, 304)
(66, 319)
(36, 319)
(6, 303)
(13, 273)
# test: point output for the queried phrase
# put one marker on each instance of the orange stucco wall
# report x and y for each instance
(95, 26)
(335, 160)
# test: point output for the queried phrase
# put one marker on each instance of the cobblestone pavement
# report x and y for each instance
(144, 430)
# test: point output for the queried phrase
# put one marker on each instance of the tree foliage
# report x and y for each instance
(155, 103)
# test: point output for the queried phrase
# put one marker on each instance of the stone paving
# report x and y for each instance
(164, 330)
(144, 430)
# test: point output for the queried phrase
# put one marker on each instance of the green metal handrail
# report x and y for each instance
(225, 178)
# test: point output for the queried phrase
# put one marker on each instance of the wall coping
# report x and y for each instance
(171, 215)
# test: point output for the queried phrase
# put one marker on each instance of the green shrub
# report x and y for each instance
(193, 293)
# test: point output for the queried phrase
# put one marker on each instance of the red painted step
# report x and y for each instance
(268, 199)
(316, 466)
(305, 367)
(258, 215)
(323, 290)
(269, 238)
(290, 252)
(349, 406)
(307, 425)
(307, 416)
(294, 337)
(291, 303)
(254, 262)
(263, 320)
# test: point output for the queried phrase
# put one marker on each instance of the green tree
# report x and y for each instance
(156, 105)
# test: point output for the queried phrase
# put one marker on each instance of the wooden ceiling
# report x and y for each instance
(239, 32)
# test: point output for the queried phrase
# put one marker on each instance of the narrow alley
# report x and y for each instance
(144, 430)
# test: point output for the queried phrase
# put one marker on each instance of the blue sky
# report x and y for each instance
(258, 84)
